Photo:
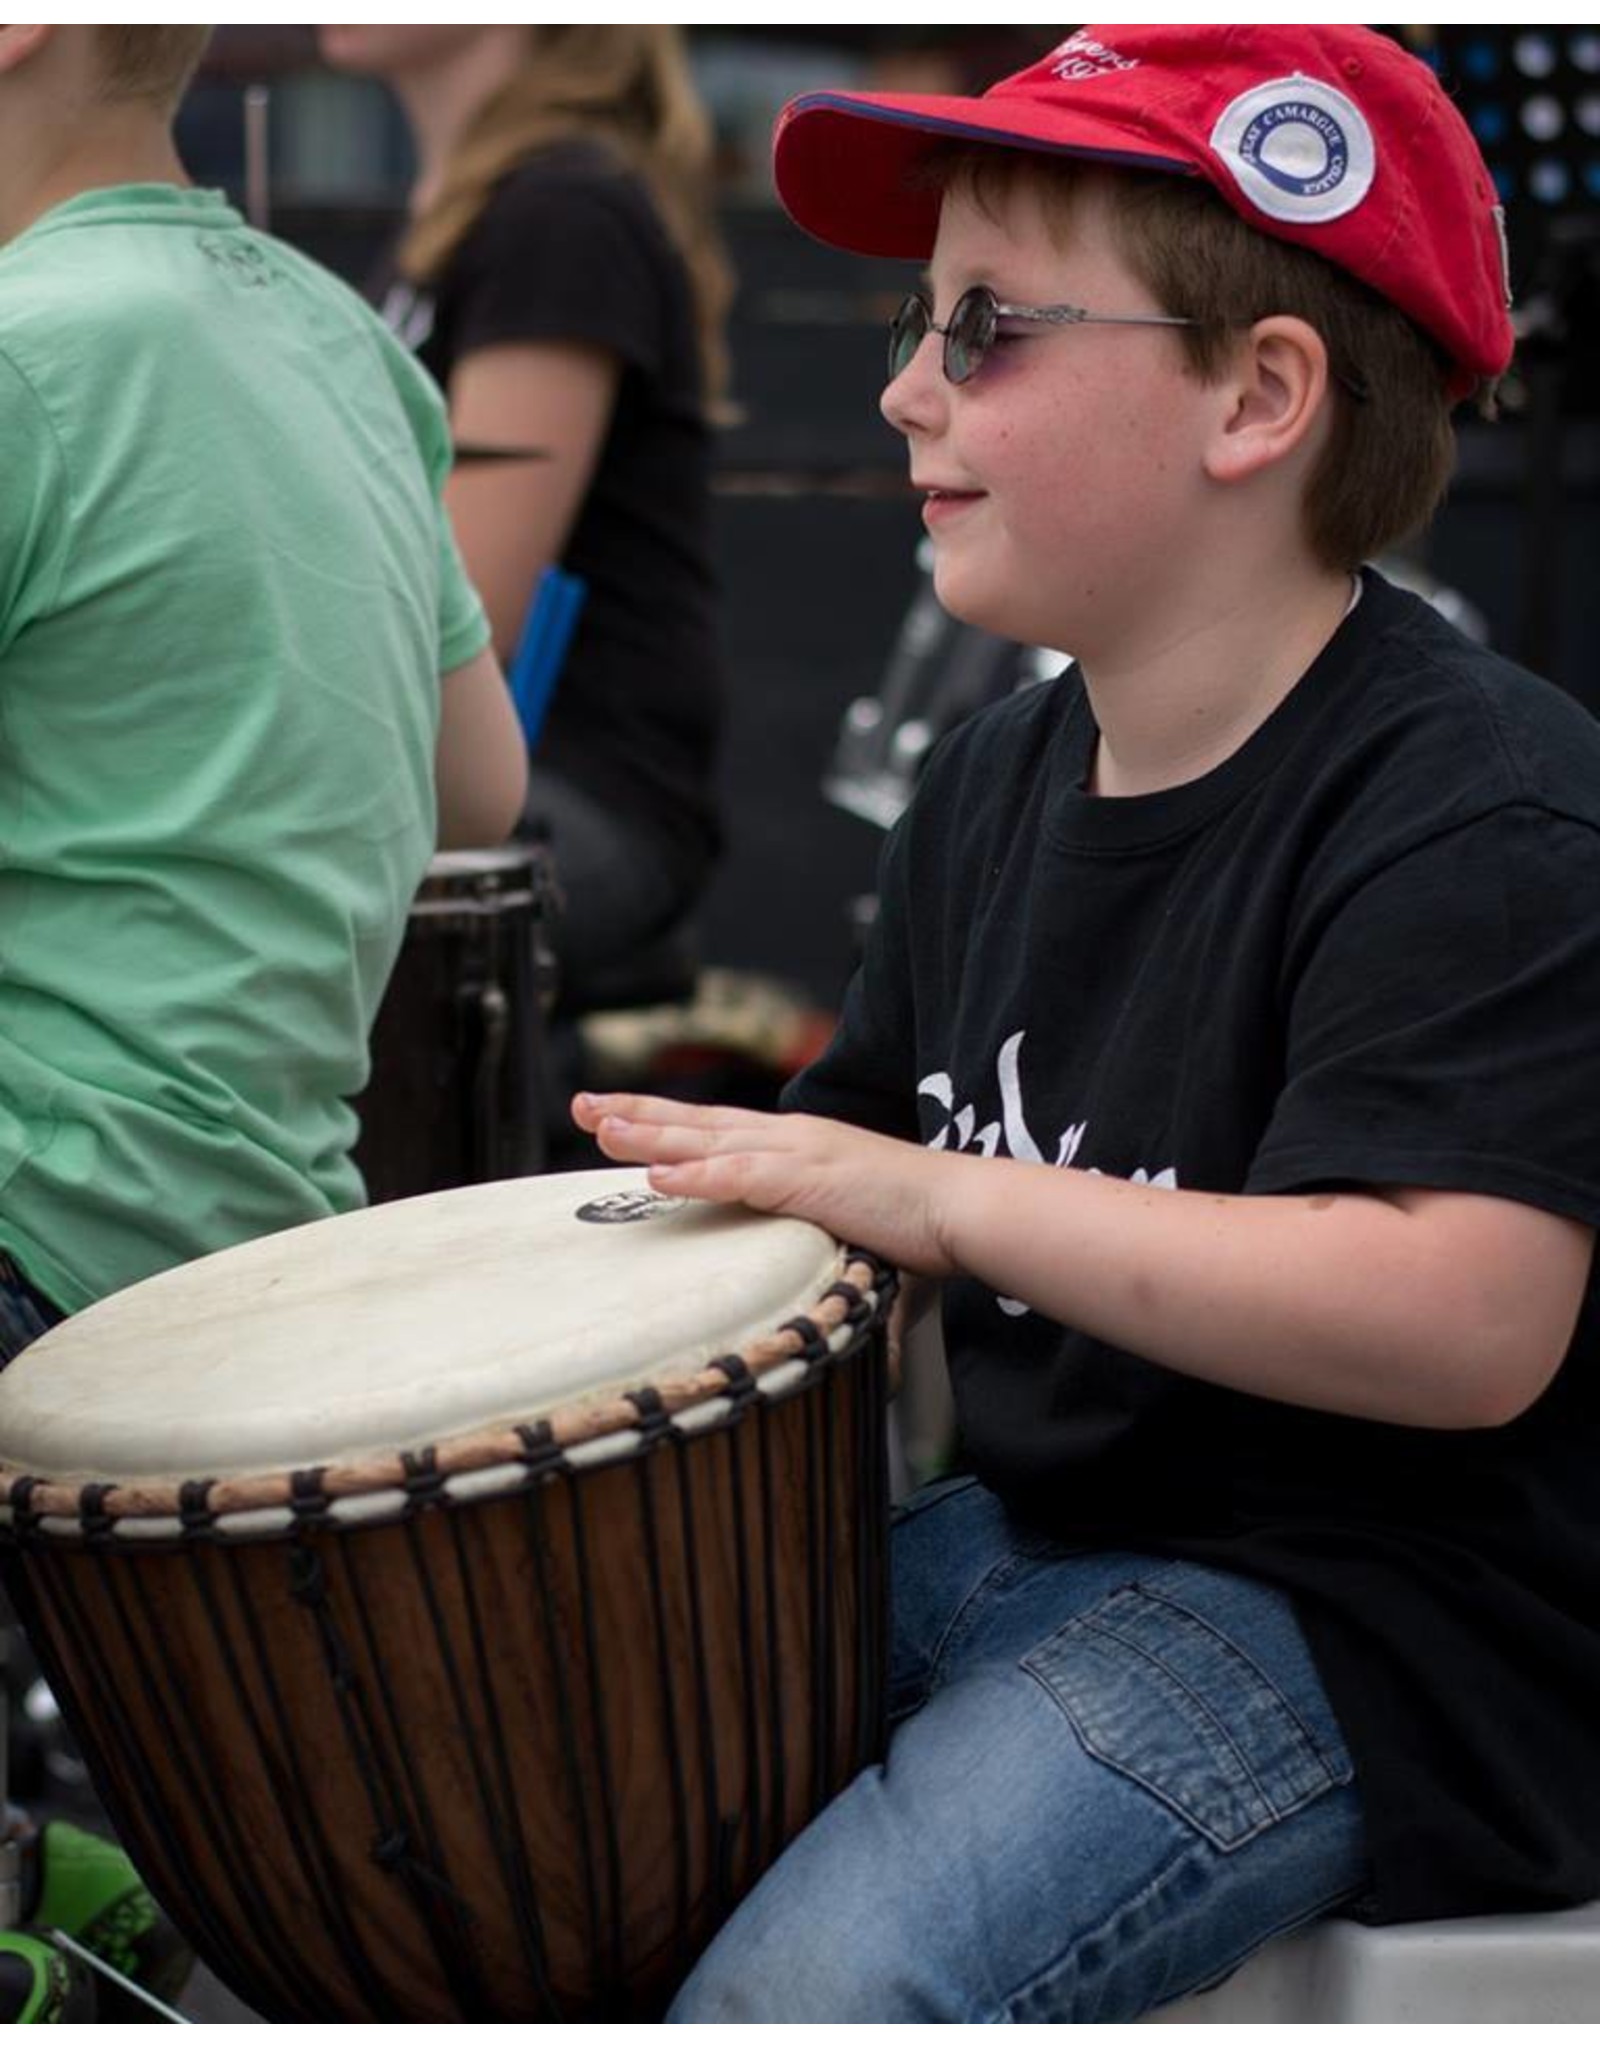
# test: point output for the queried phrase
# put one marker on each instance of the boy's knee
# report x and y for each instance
(750, 1977)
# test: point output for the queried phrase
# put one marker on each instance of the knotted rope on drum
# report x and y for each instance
(195, 1512)
(424, 1482)
(391, 1847)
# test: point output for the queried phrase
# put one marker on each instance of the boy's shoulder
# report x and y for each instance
(1404, 726)
(1426, 699)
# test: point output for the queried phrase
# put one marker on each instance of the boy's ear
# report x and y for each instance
(1275, 393)
(17, 45)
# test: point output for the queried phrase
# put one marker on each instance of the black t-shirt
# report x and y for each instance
(570, 248)
(1364, 950)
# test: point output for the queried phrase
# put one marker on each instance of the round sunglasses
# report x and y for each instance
(973, 326)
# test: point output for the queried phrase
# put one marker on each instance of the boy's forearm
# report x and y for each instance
(1440, 1311)
(1425, 1307)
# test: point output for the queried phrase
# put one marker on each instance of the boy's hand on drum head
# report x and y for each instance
(883, 1194)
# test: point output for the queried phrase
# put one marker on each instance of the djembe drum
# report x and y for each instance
(460, 1603)
(456, 1093)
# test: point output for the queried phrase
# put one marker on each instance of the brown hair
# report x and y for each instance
(1389, 452)
(630, 90)
(154, 64)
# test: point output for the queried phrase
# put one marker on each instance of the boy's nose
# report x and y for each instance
(911, 401)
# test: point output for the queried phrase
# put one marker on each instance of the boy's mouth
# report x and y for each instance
(938, 503)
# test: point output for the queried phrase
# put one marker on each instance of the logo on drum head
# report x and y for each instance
(1297, 149)
(628, 1205)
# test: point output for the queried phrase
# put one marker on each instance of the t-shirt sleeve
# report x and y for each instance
(1443, 1022)
(463, 622)
(564, 257)
(33, 506)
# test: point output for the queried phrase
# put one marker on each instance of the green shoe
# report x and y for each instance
(38, 1985)
(87, 1886)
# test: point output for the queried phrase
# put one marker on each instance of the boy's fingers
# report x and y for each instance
(591, 1110)
(672, 1140)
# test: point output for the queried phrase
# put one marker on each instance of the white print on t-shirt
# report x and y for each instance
(962, 1132)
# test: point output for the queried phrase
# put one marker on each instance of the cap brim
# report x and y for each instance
(847, 165)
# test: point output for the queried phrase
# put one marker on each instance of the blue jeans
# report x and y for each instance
(24, 1313)
(1110, 1778)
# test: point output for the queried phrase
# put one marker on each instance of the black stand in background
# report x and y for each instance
(1558, 322)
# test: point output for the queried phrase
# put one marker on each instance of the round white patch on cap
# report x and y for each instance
(1298, 149)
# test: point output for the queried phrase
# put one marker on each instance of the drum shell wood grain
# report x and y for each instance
(514, 1758)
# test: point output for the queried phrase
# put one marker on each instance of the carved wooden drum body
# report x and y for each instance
(461, 1603)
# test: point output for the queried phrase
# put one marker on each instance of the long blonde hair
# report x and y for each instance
(631, 91)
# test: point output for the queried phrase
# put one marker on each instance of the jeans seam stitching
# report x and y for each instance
(1272, 1813)
(1340, 1775)
(1186, 1852)
(1292, 1925)
(1336, 1768)
(958, 1627)
(1217, 1843)
(1203, 1706)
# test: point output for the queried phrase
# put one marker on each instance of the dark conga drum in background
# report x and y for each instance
(455, 1096)
(460, 1603)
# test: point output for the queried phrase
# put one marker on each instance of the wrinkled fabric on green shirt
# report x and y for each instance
(227, 592)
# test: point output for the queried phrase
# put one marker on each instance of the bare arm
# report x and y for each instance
(480, 763)
(511, 518)
(1425, 1307)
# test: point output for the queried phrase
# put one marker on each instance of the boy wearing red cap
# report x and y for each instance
(1226, 1047)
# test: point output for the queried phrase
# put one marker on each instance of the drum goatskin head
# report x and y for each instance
(403, 1324)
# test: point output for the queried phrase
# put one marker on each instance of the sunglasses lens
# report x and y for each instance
(969, 334)
(906, 333)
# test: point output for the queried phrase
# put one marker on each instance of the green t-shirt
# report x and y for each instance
(227, 593)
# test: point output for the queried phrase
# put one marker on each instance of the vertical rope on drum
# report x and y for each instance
(467, 1980)
(658, 1603)
(149, 1806)
(167, 1706)
(308, 1586)
(816, 1610)
(513, 1848)
(561, 1681)
(769, 1589)
(820, 1387)
(866, 1313)
(741, 1392)
(830, 1393)
(397, 1792)
(601, 1741)
(317, 1865)
(684, 1454)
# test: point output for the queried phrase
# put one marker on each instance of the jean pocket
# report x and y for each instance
(1161, 1694)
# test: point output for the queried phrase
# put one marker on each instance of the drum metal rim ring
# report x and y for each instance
(487, 904)
(480, 1463)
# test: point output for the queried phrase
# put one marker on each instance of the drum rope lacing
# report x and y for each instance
(327, 1581)
(106, 1511)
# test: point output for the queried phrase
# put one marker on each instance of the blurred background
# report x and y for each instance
(840, 677)
(843, 670)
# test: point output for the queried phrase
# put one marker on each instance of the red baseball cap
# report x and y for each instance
(1330, 136)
